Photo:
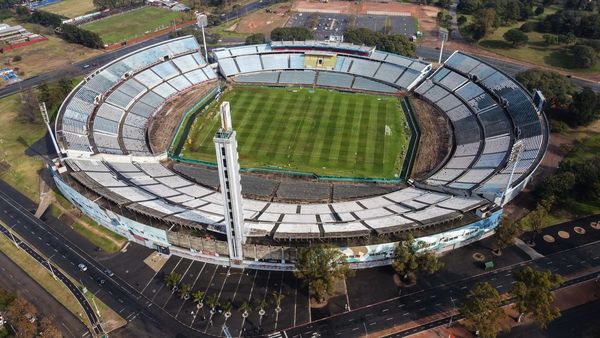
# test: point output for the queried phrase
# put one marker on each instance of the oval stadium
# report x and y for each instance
(245, 157)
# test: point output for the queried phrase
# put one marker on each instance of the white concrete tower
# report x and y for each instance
(231, 188)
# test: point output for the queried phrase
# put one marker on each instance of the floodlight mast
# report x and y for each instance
(515, 155)
(443, 35)
(202, 21)
(44, 112)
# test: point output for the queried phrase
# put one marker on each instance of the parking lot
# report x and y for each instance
(337, 24)
(230, 285)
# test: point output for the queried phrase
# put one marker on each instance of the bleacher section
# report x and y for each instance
(154, 190)
(117, 100)
(489, 112)
(366, 69)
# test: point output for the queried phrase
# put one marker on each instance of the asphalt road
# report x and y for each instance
(16, 280)
(59, 276)
(411, 307)
(449, 320)
(143, 318)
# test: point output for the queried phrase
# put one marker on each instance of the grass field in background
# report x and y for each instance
(311, 130)
(71, 8)
(132, 24)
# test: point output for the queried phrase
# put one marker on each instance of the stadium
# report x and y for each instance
(329, 144)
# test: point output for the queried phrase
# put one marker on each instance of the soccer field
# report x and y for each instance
(319, 131)
(131, 24)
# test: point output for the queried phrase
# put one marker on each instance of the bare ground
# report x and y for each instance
(435, 142)
(263, 21)
(163, 126)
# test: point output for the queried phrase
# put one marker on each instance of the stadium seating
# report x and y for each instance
(108, 113)
(119, 106)
(375, 71)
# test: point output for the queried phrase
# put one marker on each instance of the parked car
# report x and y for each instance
(82, 267)
(109, 273)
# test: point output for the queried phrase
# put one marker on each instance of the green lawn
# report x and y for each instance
(311, 130)
(535, 51)
(71, 8)
(133, 23)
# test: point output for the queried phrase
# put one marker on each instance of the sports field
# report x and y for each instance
(133, 23)
(319, 131)
(71, 8)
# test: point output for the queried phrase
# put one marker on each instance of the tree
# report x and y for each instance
(505, 234)
(245, 308)
(321, 266)
(410, 259)
(260, 307)
(74, 34)
(65, 86)
(516, 37)
(584, 56)
(29, 111)
(536, 220)
(483, 310)
(44, 94)
(533, 294)
(557, 88)
(198, 296)
(184, 291)
(48, 329)
(291, 33)
(393, 43)
(19, 313)
(172, 280)
(255, 39)
(539, 10)
(213, 302)
(585, 106)
(226, 307)
(461, 20)
(526, 27)
(277, 298)
(469, 6)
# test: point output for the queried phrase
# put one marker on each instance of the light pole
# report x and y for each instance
(452, 313)
(50, 267)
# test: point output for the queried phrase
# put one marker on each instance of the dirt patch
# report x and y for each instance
(435, 142)
(4, 166)
(163, 126)
(264, 21)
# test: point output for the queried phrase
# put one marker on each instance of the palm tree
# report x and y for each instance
(260, 306)
(198, 297)
(184, 292)
(213, 302)
(277, 298)
(226, 306)
(172, 280)
(245, 309)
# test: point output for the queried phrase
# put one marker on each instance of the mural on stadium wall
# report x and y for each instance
(132, 230)
(441, 242)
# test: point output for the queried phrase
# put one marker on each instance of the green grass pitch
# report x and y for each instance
(132, 24)
(326, 132)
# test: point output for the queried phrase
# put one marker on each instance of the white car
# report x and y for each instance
(82, 267)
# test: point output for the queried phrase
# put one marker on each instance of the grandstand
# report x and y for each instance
(113, 176)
